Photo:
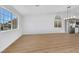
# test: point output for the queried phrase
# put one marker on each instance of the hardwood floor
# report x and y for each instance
(45, 43)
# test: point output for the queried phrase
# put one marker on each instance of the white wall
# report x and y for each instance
(40, 24)
(8, 37)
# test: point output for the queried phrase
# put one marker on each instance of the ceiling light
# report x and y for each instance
(69, 7)
(37, 5)
(71, 17)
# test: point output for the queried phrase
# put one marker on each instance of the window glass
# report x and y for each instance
(8, 20)
(58, 22)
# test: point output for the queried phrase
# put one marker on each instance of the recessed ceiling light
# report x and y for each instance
(37, 5)
(69, 7)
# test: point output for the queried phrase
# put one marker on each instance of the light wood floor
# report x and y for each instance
(45, 43)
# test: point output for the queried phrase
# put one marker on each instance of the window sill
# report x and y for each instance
(8, 30)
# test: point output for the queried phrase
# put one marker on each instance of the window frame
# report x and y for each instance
(17, 18)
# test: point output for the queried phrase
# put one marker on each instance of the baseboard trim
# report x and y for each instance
(44, 33)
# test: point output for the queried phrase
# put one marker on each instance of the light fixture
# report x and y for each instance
(68, 11)
(67, 17)
(71, 16)
(74, 16)
(37, 5)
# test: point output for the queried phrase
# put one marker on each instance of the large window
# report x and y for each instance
(8, 20)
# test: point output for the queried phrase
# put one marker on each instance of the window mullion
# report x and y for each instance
(11, 21)
(3, 20)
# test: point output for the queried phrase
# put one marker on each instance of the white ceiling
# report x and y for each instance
(44, 9)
